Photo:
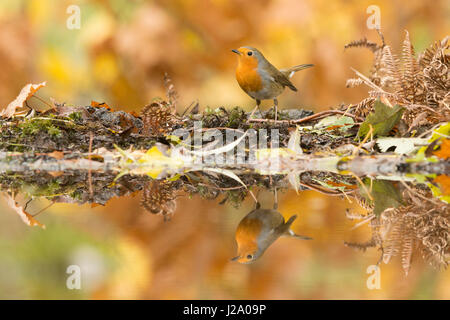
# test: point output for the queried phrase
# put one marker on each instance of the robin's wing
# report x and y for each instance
(280, 78)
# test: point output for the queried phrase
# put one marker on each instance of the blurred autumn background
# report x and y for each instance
(119, 56)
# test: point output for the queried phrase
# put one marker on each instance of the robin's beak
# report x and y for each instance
(236, 51)
(237, 257)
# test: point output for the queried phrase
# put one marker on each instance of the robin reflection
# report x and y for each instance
(259, 229)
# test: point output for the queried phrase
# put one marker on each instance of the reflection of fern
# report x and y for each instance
(159, 197)
(418, 227)
(421, 85)
(399, 238)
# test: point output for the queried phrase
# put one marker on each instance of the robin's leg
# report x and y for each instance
(275, 203)
(258, 102)
(275, 104)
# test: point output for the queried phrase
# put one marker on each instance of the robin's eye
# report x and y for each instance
(249, 257)
(249, 53)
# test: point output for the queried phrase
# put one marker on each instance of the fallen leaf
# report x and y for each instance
(96, 104)
(26, 92)
(343, 123)
(400, 145)
(444, 150)
(64, 110)
(26, 217)
(383, 119)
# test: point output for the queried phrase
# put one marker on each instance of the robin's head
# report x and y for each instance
(248, 55)
(248, 251)
(247, 256)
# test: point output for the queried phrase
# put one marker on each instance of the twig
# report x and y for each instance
(359, 224)
(311, 117)
(355, 151)
(91, 190)
(363, 185)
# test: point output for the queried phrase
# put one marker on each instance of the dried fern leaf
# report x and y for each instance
(354, 82)
(363, 43)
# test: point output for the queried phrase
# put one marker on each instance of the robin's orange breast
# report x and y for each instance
(248, 77)
(248, 232)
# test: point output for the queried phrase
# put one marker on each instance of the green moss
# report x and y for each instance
(52, 188)
(33, 126)
(75, 116)
(76, 195)
(235, 197)
(236, 117)
(54, 131)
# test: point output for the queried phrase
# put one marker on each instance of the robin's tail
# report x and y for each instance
(290, 71)
(291, 233)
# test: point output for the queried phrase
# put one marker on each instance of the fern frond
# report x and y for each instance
(363, 43)
(410, 73)
(354, 82)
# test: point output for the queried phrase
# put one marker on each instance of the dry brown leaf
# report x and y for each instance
(58, 155)
(56, 174)
(26, 92)
(26, 217)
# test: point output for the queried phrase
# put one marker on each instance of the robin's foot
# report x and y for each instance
(275, 105)
(252, 113)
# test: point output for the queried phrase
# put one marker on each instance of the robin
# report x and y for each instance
(260, 79)
(259, 229)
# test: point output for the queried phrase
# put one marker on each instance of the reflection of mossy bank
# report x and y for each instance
(71, 188)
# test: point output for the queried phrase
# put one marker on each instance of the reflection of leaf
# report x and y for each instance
(444, 181)
(294, 180)
(443, 190)
(382, 120)
(331, 185)
(26, 217)
(26, 92)
(156, 162)
(385, 195)
(294, 141)
(219, 150)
